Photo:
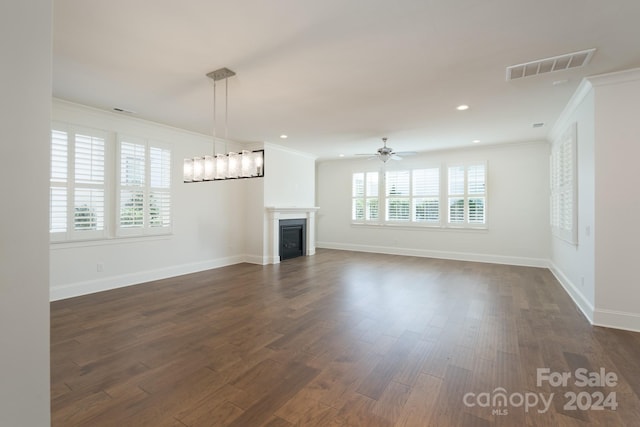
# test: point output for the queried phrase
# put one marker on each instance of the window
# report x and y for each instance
(82, 204)
(563, 187)
(422, 196)
(144, 189)
(397, 195)
(77, 184)
(413, 195)
(466, 195)
(364, 204)
(426, 195)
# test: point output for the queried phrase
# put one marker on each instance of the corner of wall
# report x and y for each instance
(572, 290)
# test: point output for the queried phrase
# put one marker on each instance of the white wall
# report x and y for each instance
(254, 221)
(599, 272)
(208, 227)
(25, 84)
(518, 200)
(574, 265)
(289, 181)
(289, 177)
(617, 150)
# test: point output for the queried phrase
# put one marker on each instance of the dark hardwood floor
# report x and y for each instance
(338, 339)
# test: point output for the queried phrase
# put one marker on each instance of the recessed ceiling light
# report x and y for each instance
(340, 155)
(462, 107)
(283, 136)
(475, 141)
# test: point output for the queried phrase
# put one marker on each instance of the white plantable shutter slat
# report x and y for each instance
(88, 209)
(59, 156)
(426, 192)
(58, 210)
(398, 187)
(89, 160)
(358, 185)
(160, 180)
(456, 180)
(132, 164)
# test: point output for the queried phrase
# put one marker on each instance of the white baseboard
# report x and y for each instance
(256, 259)
(572, 290)
(617, 320)
(457, 256)
(91, 286)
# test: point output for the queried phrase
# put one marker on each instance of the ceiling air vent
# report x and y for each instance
(549, 65)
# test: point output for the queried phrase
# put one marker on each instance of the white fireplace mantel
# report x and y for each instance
(275, 214)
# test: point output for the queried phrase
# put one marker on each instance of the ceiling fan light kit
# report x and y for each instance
(385, 153)
(222, 166)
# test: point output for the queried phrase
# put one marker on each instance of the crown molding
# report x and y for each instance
(617, 77)
(273, 146)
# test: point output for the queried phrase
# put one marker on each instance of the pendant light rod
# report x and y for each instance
(214, 118)
(221, 74)
(226, 109)
(227, 165)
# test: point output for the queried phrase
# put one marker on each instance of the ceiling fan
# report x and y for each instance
(385, 153)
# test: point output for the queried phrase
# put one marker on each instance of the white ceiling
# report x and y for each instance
(336, 76)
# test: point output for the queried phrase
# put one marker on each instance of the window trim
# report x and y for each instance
(563, 181)
(365, 197)
(443, 198)
(146, 229)
(71, 234)
(111, 189)
(466, 196)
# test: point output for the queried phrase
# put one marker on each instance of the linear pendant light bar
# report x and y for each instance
(231, 165)
(246, 164)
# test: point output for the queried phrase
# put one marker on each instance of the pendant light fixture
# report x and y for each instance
(222, 166)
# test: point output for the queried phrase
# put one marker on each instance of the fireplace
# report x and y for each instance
(292, 238)
(276, 214)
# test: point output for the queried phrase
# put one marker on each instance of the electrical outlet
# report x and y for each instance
(100, 267)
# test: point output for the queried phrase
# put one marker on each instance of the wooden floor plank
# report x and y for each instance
(336, 339)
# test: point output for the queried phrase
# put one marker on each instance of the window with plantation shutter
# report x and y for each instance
(563, 203)
(132, 185)
(476, 194)
(159, 187)
(58, 184)
(466, 195)
(89, 188)
(456, 194)
(364, 197)
(398, 202)
(144, 190)
(435, 196)
(98, 181)
(426, 195)
(77, 184)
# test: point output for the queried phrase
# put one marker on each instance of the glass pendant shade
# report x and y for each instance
(209, 168)
(188, 170)
(198, 169)
(221, 166)
(233, 170)
(247, 163)
(258, 163)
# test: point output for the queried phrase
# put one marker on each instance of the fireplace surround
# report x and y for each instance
(275, 214)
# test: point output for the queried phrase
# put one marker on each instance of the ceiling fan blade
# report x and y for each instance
(407, 153)
(395, 157)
